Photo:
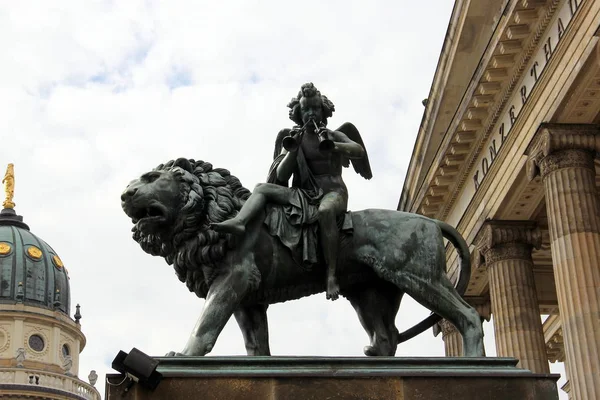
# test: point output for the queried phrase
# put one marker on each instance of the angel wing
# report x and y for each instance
(279, 142)
(277, 157)
(361, 165)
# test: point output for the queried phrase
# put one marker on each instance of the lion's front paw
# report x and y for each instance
(370, 351)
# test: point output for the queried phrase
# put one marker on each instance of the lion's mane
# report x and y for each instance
(193, 248)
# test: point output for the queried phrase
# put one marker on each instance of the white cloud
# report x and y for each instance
(95, 93)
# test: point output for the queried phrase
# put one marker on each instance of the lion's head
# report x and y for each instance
(172, 208)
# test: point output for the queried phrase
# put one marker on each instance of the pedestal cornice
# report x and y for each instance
(320, 378)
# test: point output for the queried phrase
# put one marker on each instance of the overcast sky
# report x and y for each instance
(93, 93)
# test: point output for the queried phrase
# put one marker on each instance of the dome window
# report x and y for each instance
(66, 351)
(36, 342)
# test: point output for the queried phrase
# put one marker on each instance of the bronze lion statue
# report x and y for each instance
(389, 253)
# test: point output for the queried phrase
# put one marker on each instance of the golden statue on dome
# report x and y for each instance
(9, 186)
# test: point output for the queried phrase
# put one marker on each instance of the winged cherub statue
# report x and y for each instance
(313, 156)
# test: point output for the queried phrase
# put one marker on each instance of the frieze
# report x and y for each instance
(538, 63)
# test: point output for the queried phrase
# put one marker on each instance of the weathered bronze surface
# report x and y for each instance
(388, 253)
(315, 156)
(243, 251)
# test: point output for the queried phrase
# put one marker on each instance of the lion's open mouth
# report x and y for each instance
(148, 212)
(148, 216)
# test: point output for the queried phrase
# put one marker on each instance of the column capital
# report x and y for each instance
(444, 327)
(496, 232)
(572, 141)
(501, 240)
(555, 347)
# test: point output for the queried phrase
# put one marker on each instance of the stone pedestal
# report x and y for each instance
(316, 378)
(563, 154)
(506, 247)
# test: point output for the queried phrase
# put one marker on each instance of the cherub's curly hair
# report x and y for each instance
(309, 90)
(193, 248)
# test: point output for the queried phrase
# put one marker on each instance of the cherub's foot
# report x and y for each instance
(333, 289)
(230, 226)
(174, 354)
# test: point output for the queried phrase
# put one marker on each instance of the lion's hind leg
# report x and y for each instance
(440, 297)
(376, 307)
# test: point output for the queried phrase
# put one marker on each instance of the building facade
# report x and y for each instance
(507, 152)
(39, 342)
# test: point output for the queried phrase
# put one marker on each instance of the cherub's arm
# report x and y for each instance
(344, 145)
(285, 169)
(284, 162)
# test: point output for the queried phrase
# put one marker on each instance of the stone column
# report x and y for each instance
(452, 339)
(563, 154)
(506, 247)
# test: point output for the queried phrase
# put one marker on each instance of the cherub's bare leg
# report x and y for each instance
(263, 193)
(331, 205)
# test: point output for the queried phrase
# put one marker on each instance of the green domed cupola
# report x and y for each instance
(30, 270)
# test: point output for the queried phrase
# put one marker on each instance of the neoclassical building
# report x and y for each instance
(507, 152)
(39, 341)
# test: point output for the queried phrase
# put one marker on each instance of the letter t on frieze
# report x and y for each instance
(506, 248)
(564, 155)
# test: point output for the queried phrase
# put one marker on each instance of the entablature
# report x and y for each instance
(518, 53)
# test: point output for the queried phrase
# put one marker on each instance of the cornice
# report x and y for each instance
(440, 79)
(499, 106)
(479, 111)
(466, 221)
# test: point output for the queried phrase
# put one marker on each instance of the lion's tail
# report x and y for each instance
(464, 276)
(463, 253)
